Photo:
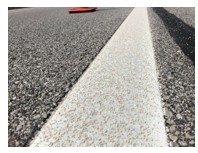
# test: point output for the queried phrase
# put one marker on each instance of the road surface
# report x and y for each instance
(49, 49)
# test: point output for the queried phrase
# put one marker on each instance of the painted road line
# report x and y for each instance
(117, 101)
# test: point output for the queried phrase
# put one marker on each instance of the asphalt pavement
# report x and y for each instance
(117, 101)
(173, 35)
(49, 49)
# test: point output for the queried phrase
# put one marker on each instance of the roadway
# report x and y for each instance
(49, 50)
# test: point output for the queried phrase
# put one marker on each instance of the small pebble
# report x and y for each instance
(172, 137)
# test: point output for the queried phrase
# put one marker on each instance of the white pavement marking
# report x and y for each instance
(117, 100)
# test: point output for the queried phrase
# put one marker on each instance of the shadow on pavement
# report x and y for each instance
(12, 8)
(183, 34)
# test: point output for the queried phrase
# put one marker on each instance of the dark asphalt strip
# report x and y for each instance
(176, 74)
(182, 33)
(48, 50)
(13, 8)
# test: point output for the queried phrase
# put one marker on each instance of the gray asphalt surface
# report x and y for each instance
(186, 14)
(49, 49)
(173, 35)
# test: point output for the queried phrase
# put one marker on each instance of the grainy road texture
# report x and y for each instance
(173, 35)
(122, 106)
(48, 51)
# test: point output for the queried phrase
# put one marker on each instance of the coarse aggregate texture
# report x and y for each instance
(48, 50)
(176, 74)
(117, 100)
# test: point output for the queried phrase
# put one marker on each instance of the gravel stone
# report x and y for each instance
(167, 112)
(36, 116)
(44, 115)
(175, 144)
(166, 97)
(173, 138)
(177, 133)
(172, 128)
(192, 142)
(13, 98)
(20, 114)
(170, 121)
(183, 143)
(19, 127)
(17, 143)
(179, 116)
(188, 136)
(36, 133)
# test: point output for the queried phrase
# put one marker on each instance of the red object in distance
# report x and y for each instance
(82, 9)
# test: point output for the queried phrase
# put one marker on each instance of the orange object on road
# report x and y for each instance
(82, 9)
